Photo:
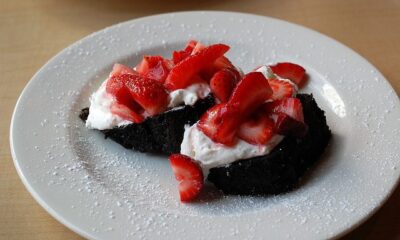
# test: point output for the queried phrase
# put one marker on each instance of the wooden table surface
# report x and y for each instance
(31, 32)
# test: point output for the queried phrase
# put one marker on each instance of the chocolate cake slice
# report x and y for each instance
(162, 133)
(280, 170)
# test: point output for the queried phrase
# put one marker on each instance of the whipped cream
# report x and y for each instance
(189, 95)
(100, 115)
(198, 146)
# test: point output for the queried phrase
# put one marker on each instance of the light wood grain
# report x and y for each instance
(31, 32)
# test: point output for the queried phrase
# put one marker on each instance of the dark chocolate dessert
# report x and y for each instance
(280, 170)
(162, 133)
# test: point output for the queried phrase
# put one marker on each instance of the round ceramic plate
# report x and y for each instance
(103, 191)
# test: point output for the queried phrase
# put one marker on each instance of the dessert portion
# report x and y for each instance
(259, 139)
(146, 107)
(247, 134)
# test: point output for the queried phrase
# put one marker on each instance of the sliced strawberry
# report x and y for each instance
(181, 74)
(126, 113)
(220, 123)
(223, 62)
(190, 46)
(288, 116)
(289, 106)
(198, 47)
(116, 87)
(148, 93)
(178, 56)
(291, 71)
(257, 130)
(154, 67)
(250, 93)
(210, 120)
(222, 84)
(189, 175)
(286, 125)
(281, 89)
(119, 69)
(219, 64)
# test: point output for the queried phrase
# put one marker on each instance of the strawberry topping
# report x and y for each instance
(154, 67)
(250, 93)
(289, 106)
(148, 93)
(288, 116)
(178, 56)
(119, 69)
(281, 89)
(189, 175)
(257, 130)
(198, 47)
(221, 122)
(182, 73)
(190, 46)
(116, 87)
(291, 71)
(222, 84)
(144, 93)
(286, 125)
(126, 113)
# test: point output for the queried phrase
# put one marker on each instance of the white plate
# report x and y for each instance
(102, 191)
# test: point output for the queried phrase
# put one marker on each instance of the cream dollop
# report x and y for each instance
(100, 116)
(198, 146)
(189, 95)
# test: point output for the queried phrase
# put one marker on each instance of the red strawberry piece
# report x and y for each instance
(286, 125)
(289, 106)
(126, 113)
(147, 92)
(189, 175)
(250, 93)
(219, 64)
(220, 123)
(154, 67)
(119, 69)
(181, 74)
(190, 46)
(178, 56)
(210, 120)
(291, 71)
(258, 129)
(116, 87)
(222, 84)
(223, 62)
(288, 116)
(198, 47)
(281, 89)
